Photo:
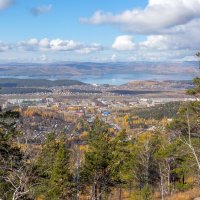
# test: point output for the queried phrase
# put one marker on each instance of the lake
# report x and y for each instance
(113, 79)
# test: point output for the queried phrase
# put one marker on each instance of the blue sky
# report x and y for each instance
(62, 21)
(98, 30)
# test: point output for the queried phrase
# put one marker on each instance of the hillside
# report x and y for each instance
(14, 82)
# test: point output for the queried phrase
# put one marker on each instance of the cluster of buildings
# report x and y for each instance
(102, 105)
(10, 103)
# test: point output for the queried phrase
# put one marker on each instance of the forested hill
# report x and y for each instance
(13, 82)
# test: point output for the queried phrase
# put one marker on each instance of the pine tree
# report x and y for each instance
(61, 181)
(55, 180)
(44, 165)
(196, 82)
(14, 179)
(103, 164)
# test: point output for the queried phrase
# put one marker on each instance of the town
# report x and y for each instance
(60, 109)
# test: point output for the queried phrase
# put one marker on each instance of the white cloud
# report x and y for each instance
(4, 47)
(43, 58)
(132, 58)
(6, 4)
(124, 43)
(183, 38)
(58, 45)
(44, 44)
(153, 55)
(63, 45)
(113, 58)
(156, 42)
(157, 17)
(186, 36)
(30, 45)
(189, 58)
(41, 9)
(86, 49)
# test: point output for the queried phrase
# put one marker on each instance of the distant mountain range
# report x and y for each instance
(80, 70)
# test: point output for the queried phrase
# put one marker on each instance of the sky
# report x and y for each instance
(99, 30)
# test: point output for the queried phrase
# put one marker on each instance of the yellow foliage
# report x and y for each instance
(84, 134)
(144, 136)
(30, 112)
(83, 147)
(40, 198)
(190, 179)
(117, 120)
(164, 121)
(125, 120)
(111, 130)
(54, 107)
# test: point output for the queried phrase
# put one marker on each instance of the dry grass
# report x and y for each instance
(188, 195)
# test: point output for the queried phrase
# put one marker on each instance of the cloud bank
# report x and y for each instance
(157, 17)
(58, 45)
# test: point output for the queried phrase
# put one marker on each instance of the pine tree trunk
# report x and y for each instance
(130, 189)
(94, 192)
(100, 193)
(120, 193)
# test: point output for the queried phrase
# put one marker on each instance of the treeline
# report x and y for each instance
(85, 91)
(131, 92)
(24, 86)
(168, 110)
(157, 112)
(12, 82)
(17, 90)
